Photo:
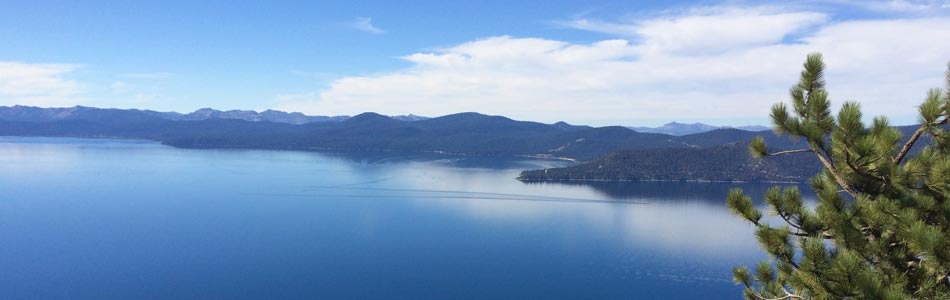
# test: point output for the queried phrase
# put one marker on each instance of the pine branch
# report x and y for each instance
(831, 158)
(802, 233)
(944, 279)
(788, 295)
(913, 139)
(834, 172)
(824, 235)
(800, 229)
(856, 169)
(872, 161)
(787, 152)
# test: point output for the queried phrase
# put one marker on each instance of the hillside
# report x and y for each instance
(730, 162)
(719, 155)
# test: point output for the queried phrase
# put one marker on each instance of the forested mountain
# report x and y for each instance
(706, 159)
(729, 162)
(464, 133)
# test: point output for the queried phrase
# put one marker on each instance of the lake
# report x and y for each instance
(108, 219)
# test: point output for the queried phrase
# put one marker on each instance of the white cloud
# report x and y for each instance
(37, 84)
(729, 65)
(366, 25)
(707, 30)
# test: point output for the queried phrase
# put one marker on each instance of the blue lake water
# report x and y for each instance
(106, 219)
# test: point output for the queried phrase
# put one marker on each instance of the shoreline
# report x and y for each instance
(653, 180)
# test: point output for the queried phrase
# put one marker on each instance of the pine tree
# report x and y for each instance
(881, 227)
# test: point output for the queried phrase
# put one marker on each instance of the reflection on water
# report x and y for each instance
(117, 219)
(667, 191)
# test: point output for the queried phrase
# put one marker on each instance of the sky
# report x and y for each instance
(641, 63)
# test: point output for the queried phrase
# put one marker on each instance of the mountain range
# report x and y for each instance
(463, 133)
(603, 153)
(37, 114)
(680, 129)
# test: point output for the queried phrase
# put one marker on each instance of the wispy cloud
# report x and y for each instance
(366, 25)
(38, 84)
(119, 86)
(731, 64)
(149, 75)
(140, 90)
(926, 7)
(142, 98)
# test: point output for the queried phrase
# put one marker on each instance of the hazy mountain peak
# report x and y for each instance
(680, 129)
(466, 114)
(409, 118)
(753, 128)
(368, 117)
(204, 111)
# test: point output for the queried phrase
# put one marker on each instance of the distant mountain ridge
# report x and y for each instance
(463, 133)
(38, 114)
(680, 129)
(275, 116)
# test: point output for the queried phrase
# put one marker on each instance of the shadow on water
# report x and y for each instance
(665, 191)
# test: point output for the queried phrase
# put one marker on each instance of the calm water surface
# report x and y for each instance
(105, 219)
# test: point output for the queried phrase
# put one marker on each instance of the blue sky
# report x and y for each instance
(600, 63)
